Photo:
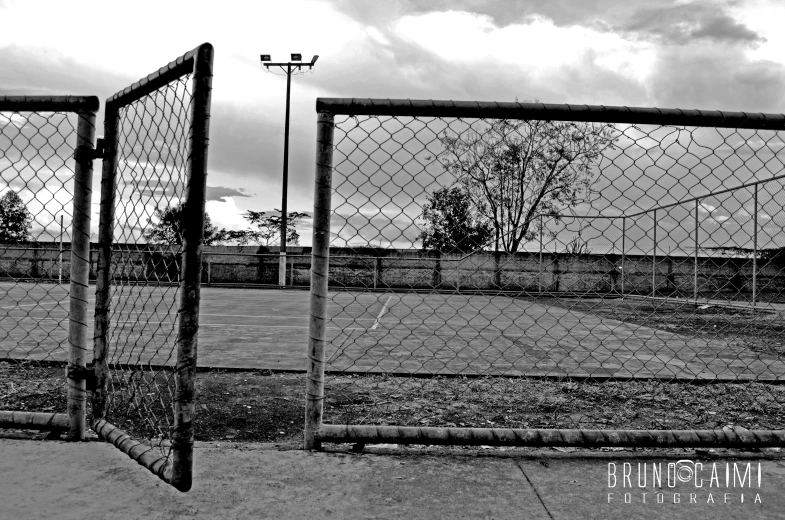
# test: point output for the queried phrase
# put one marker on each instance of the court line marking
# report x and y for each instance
(381, 313)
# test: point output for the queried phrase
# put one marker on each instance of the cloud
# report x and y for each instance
(701, 77)
(220, 193)
(686, 23)
(723, 28)
(40, 71)
(502, 12)
(226, 214)
(475, 37)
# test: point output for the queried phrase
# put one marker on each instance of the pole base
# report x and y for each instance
(282, 269)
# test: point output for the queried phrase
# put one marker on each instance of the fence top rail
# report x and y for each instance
(49, 103)
(551, 112)
(707, 195)
(166, 74)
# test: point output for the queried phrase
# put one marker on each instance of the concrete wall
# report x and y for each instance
(423, 270)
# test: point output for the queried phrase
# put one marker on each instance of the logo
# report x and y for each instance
(685, 482)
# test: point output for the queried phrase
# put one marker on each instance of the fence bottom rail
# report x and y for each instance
(365, 434)
(144, 455)
(34, 421)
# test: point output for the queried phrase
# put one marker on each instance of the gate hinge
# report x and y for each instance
(77, 373)
(86, 153)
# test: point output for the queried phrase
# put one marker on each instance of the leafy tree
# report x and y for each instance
(515, 170)
(15, 219)
(450, 223)
(269, 226)
(169, 224)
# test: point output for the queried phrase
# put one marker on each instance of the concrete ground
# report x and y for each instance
(54, 479)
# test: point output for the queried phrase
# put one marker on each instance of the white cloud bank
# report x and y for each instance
(536, 46)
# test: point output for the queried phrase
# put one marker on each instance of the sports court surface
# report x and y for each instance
(403, 333)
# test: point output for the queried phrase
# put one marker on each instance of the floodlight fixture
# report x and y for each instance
(297, 57)
(265, 57)
(313, 60)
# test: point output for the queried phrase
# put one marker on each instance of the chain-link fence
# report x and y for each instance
(44, 239)
(149, 262)
(546, 275)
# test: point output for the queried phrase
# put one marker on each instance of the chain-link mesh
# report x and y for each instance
(145, 272)
(36, 205)
(555, 274)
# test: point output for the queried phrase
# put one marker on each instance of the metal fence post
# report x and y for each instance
(654, 259)
(60, 255)
(539, 277)
(623, 250)
(190, 284)
(103, 298)
(755, 249)
(314, 389)
(695, 254)
(80, 270)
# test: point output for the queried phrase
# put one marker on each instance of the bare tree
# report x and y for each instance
(515, 171)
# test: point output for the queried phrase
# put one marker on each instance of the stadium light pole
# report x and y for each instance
(295, 64)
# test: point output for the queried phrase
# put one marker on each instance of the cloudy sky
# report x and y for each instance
(687, 54)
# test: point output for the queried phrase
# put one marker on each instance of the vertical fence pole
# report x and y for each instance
(623, 250)
(320, 263)
(539, 276)
(755, 249)
(190, 283)
(695, 255)
(458, 277)
(375, 272)
(103, 268)
(654, 259)
(60, 255)
(80, 269)
(209, 272)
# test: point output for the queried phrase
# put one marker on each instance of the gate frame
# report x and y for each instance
(179, 470)
(316, 432)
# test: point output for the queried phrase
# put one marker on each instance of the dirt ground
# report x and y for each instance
(265, 407)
